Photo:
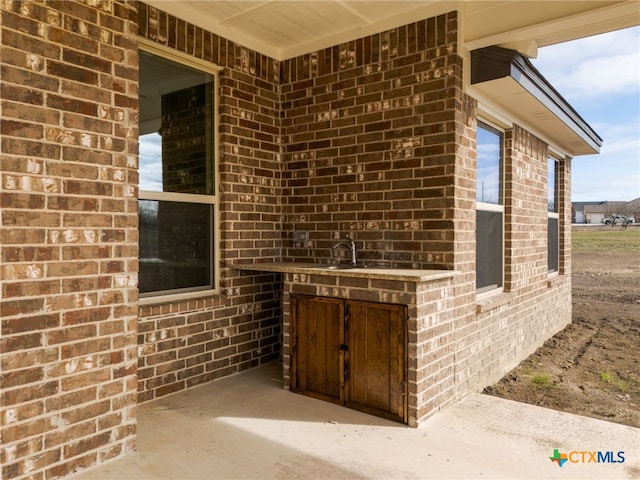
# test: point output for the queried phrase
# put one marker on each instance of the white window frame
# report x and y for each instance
(213, 200)
(492, 207)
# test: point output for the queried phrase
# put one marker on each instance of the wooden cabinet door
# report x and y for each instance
(375, 361)
(316, 336)
(351, 353)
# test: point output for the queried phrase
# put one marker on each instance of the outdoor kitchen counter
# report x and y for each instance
(386, 273)
(409, 311)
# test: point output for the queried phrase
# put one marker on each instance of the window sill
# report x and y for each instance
(555, 279)
(492, 301)
(177, 297)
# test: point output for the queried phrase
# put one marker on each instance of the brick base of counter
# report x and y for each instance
(430, 324)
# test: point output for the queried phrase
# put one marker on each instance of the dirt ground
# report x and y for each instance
(592, 367)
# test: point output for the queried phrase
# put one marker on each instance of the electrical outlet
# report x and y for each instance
(301, 236)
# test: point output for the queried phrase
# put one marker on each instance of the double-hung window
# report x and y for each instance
(177, 204)
(489, 208)
(553, 218)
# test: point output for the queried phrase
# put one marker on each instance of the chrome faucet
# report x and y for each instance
(350, 245)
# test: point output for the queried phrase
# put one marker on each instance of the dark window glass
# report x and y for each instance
(175, 239)
(488, 250)
(552, 243)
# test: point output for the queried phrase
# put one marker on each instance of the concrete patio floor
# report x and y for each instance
(248, 426)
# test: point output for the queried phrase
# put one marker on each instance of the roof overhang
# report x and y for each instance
(284, 29)
(513, 83)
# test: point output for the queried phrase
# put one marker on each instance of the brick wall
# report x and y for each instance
(374, 138)
(510, 326)
(525, 210)
(379, 143)
(367, 132)
(68, 95)
(465, 334)
(183, 344)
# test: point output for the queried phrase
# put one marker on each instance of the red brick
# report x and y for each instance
(59, 164)
(28, 324)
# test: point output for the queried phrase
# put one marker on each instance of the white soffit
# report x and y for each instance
(284, 29)
(516, 103)
(527, 25)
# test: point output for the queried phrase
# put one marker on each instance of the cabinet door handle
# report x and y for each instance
(343, 348)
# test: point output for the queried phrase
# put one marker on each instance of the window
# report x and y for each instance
(489, 208)
(177, 204)
(553, 217)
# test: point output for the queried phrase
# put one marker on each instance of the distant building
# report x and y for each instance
(577, 210)
(597, 212)
(632, 209)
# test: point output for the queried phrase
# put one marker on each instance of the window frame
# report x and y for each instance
(493, 207)
(555, 214)
(213, 200)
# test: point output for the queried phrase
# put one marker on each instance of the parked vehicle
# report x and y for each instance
(618, 220)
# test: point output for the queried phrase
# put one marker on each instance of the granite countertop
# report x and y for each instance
(402, 274)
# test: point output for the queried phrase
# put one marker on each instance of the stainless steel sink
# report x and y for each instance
(347, 266)
(342, 267)
(382, 266)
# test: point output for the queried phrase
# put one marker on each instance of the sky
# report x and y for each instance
(600, 78)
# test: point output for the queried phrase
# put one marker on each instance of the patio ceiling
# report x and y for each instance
(284, 29)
